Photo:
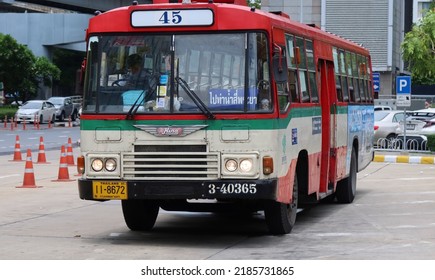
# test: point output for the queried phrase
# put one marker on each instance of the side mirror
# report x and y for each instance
(279, 64)
(82, 71)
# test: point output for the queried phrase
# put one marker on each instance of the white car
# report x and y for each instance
(429, 128)
(41, 110)
(427, 116)
(382, 108)
(390, 123)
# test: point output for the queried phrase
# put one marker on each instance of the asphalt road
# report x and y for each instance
(392, 218)
(53, 137)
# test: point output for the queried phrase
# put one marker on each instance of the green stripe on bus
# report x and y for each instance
(240, 124)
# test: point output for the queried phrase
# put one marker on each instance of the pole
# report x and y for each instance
(404, 130)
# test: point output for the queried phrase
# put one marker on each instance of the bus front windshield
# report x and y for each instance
(189, 73)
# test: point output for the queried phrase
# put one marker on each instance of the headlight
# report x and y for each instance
(240, 165)
(231, 165)
(110, 164)
(97, 164)
(246, 165)
(102, 165)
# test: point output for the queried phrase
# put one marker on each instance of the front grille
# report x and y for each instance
(170, 162)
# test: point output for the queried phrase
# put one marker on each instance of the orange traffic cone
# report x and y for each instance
(69, 153)
(17, 150)
(63, 174)
(29, 176)
(41, 153)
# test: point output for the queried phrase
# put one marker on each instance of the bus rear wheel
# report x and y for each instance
(281, 217)
(140, 214)
(346, 188)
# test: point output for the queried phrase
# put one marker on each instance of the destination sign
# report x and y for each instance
(172, 18)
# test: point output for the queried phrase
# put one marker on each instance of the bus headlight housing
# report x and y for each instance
(240, 165)
(102, 165)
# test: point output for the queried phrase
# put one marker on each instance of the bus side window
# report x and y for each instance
(292, 60)
(338, 87)
(356, 91)
(293, 85)
(337, 75)
(349, 75)
(369, 82)
(344, 82)
(304, 86)
(281, 79)
(362, 81)
(303, 71)
(312, 71)
(283, 96)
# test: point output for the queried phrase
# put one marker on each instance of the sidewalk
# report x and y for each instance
(404, 157)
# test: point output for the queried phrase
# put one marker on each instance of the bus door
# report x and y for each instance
(329, 125)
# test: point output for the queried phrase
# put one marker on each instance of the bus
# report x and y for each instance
(215, 106)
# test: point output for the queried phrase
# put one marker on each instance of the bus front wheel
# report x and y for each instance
(140, 214)
(281, 217)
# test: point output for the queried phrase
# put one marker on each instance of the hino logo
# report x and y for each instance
(169, 131)
(166, 131)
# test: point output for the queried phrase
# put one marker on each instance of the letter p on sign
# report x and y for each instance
(403, 85)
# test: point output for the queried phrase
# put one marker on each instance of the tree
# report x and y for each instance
(254, 3)
(21, 72)
(45, 71)
(419, 49)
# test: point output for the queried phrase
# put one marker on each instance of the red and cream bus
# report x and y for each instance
(216, 106)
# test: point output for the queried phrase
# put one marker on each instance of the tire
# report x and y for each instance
(140, 214)
(346, 188)
(53, 118)
(62, 116)
(41, 119)
(74, 116)
(281, 217)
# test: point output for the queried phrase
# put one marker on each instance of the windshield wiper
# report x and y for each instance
(134, 107)
(198, 102)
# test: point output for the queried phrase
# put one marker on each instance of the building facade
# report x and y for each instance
(419, 8)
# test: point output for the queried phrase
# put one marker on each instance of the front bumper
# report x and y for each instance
(26, 118)
(218, 189)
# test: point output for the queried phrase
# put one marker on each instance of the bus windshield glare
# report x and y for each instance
(187, 73)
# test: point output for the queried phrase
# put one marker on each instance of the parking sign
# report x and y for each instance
(403, 91)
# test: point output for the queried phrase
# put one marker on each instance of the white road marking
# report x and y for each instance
(7, 176)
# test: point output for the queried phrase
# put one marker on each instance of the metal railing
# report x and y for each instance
(396, 144)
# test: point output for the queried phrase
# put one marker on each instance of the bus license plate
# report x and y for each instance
(109, 190)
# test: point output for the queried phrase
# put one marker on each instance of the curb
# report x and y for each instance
(405, 159)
